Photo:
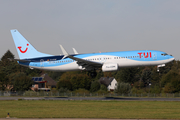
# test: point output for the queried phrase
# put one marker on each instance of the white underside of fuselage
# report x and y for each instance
(121, 63)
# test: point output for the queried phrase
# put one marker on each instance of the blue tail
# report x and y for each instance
(24, 48)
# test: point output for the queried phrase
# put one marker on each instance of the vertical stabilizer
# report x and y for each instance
(24, 48)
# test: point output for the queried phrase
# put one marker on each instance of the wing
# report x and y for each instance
(89, 65)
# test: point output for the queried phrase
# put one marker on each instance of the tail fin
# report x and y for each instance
(24, 48)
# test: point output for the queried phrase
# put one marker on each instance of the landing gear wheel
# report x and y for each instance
(93, 74)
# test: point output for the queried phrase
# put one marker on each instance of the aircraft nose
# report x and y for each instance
(171, 57)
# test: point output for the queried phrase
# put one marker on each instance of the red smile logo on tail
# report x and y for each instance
(24, 50)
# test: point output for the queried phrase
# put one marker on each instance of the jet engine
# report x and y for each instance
(109, 67)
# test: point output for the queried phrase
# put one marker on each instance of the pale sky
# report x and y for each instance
(92, 25)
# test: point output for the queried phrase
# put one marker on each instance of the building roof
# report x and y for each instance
(38, 80)
(50, 81)
(106, 80)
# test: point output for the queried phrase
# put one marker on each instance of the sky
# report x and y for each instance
(92, 25)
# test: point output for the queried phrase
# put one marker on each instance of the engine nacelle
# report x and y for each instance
(109, 67)
(81, 68)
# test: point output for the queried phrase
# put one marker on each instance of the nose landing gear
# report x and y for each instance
(160, 66)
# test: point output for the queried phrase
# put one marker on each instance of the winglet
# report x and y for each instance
(64, 52)
(75, 52)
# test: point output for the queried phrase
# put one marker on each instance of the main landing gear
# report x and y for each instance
(93, 73)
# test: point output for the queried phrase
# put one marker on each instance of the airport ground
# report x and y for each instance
(95, 98)
(79, 108)
(77, 119)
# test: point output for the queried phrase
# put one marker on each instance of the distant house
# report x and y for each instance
(43, 83)
(39, 84)
(50, 82)
(109, 82)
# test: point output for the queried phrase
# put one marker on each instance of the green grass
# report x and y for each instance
(90, 109)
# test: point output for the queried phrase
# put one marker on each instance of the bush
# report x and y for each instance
(102, 91)
(123, 88)
(156, 89)
(64, 84)
(63, 90)
(95, 86)
(103, 88)
(82, 91)
(134, 90)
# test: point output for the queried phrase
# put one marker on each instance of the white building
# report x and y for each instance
(109, 82)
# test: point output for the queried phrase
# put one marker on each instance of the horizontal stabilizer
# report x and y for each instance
(19, 60)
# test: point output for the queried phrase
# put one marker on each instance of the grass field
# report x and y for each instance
(90, 109)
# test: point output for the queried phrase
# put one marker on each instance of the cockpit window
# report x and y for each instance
(164, 54)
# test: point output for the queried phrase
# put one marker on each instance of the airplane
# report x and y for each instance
(108, 61)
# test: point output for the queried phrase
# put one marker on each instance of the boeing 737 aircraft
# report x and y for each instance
(109, 61)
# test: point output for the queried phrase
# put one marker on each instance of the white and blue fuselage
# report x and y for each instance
(109, 61)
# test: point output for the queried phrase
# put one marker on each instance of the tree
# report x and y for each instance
(168, 88)
(65, 84)
(128, 75)
(166, 78)
(8, 66)
(3, 81)
(99, 74)
(7, 55)
(80, 81)
(146, 76)
(77, 80)
(95, 86)
(155, 77)
(173, 86)
(54, 74)
(123, 88)
(22, 83)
